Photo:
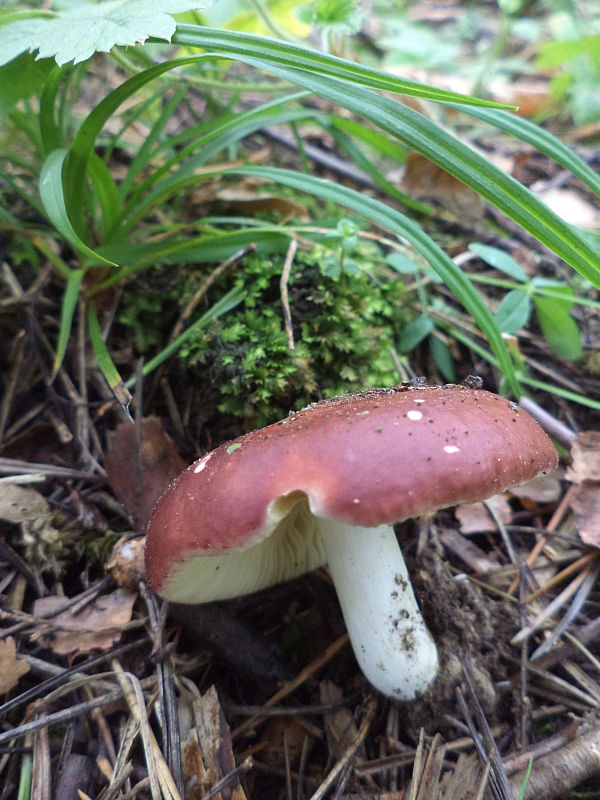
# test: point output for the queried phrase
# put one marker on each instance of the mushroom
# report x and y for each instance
(324, 486)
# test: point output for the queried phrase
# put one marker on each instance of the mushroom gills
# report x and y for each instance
(391, 642)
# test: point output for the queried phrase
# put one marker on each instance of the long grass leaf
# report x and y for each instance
(274, 51)
(69, 304)
(105, 362)
(541, 139)
(53, 198)
(427, 138)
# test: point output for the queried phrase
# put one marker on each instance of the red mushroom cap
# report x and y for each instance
(369, 458)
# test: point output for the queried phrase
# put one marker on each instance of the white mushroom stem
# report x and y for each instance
(395, 650)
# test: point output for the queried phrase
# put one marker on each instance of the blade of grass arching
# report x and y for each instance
(69, 304)
(53, 198)
(144, 154)
(541, 139)
(105, 362)
(180, 169)
(349, 146)
(271, 51)
(51, 135)
(427, 138)
(193, 250)
(396, 222)
(230, 300)
(105, 189)
(89, 130)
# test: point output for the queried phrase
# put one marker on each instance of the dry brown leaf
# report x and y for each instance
(544, 489)
(585, 502)
(281, 734)
(95, 627)
(160, 464)
(585, 455)
(474, 557)
(11, 666)
(207, 754)
(340, 726)
(422, 178)
(475, 518)
(584, 472)
(19, 504)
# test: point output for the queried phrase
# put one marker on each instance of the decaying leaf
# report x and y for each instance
(19, 504)
(11, 666)
(475, 518)
(98, 626)
(584, 473)
(138, 487)
(423, 178)
(126, 563)
(207, 753)
(340, 726)
(543, 489)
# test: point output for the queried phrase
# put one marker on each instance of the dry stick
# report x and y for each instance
(555, 521)
(205, 286)
(590, 574)
(349, 753)
(300, 678)
(574, 566)
(245, 766)
(166, 690)
(551, 609)
(524, 704)
(283, 288)
(13, 379)
(555, 775)
(553, 427)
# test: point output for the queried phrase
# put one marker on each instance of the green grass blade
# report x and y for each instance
(273, 51)
(53, 198)
(105, 362)
(422, 135)
(107, 193)
(69, 304)
(230, 300)
(541, 139)
(396, 222)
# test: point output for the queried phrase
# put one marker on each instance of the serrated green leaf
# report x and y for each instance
(559, 329)
(514, 311)
(499, 259)
(77, 32)
(69, 304)
(414, 332)
(53, 198)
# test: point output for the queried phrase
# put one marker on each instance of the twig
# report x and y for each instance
(349, 753)
(283, 288)
(553, 427)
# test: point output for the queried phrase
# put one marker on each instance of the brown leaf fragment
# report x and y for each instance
(19, 504)
(585, 502)
(138, 487)
(126, 563)
(98, 626)
(340, 726)
(585, 454)
(11, 666)
(207, 754)
(475, 518)
(424, 179)
(543, 489)
(285, 734)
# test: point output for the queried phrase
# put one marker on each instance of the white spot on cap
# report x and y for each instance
(419, 400)
(414, 415)
(451, 448)
(202, 463)
(356, 500)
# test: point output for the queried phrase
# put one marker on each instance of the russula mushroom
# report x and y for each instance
(325, 485)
